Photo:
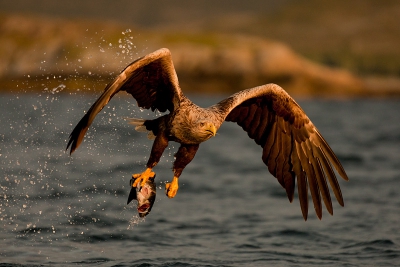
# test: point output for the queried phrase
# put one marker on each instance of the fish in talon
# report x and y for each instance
(145, 196)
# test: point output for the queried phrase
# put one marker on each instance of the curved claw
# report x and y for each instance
(142, 177)
(172, 188)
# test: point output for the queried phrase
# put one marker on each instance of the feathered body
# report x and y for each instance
(187, 123)
(292, 147)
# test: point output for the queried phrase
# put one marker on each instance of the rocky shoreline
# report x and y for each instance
(55, 55)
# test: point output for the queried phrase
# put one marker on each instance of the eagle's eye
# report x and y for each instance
(201, 124)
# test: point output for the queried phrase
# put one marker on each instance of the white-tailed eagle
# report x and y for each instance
(291, 145)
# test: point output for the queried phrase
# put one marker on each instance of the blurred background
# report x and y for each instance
(326, 48)
(63, 210)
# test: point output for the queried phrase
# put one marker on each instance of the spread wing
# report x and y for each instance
(292, 146)
(151, 80)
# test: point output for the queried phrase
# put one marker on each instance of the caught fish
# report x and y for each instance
(145, 196)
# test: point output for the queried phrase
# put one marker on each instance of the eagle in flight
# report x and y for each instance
(292, 147)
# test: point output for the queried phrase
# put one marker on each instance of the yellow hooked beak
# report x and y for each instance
(211, 129)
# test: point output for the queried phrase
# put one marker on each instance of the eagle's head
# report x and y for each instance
(204, 130)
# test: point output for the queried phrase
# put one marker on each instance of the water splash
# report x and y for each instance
(40, 188)
(135, 221)
(56, 89)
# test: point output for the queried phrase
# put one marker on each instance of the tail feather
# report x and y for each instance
(134, 121)
(141, 127)
(151, 135)
(139, 123)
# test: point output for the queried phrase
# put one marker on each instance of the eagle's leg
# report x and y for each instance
(159, 145)
(183, 157)
(142, 177)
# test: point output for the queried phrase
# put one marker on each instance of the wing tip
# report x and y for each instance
(71, 144)
(290, 194)
(304, 211)
(71, 149)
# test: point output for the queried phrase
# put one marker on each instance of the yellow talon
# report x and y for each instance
(142, 177)
(172, 188)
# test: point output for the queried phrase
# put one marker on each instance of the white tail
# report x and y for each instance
(140, 127)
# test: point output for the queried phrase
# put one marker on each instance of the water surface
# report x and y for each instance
(229, 211)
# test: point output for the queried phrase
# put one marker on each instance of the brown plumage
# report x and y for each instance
(292, 146)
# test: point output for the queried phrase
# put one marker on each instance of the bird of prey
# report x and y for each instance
(292, 147)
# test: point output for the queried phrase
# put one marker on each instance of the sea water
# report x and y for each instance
(62, 210)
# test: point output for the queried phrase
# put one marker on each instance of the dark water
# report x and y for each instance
(57, 210)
